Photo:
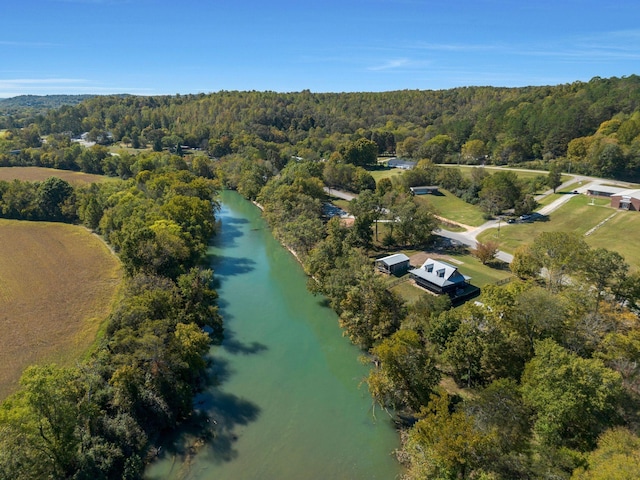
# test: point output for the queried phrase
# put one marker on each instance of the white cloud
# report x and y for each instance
(392, 64)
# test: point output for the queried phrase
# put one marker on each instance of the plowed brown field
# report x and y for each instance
(57, 285)
(38, 174)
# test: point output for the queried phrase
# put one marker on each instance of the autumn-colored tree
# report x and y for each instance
(485, 252)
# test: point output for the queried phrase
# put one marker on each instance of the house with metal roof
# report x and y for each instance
(424, 190)
(401, 163)
(439, 277)
(396, 264)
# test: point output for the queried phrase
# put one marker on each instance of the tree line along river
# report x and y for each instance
(287, 400)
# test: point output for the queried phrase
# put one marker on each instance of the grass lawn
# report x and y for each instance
(620, 233)
(379, 174)
(38, 174)
(449, 206)
(339, 202)
(409, 292)
(548, 199)
(524, 175)
(57, 286)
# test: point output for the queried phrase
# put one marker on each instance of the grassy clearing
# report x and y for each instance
(409, 292)
(449, 206)
(578, 215)
(548, 199)
(38, 174)
(339, 202)
(57, 285)
(523, 174)
(621, 234)
(386, 173)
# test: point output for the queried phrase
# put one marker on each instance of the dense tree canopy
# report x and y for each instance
(593, 125)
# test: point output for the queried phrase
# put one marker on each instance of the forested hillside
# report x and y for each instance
(470, 124)
(16, 111)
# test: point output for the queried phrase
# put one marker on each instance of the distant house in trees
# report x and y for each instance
(439, 277)
(396, 264)
(431, 190)
(400, 163)
(626, 200)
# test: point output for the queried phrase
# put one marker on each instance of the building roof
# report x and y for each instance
(439, 273)
(394, 259)
(400, 161)
(424, 187)
(631, 193)
(605, 189)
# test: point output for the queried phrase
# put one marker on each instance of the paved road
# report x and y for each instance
(340, 194)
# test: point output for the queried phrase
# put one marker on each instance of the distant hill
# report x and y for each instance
(17, 112)
(41, 101)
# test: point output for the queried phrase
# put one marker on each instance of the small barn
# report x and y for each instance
(439, 277)
(425, 190)
(626, 200)
(396, 264)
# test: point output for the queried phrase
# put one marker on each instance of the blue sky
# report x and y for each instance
(152, 47)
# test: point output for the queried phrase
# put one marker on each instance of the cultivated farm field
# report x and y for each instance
(57, 285)
(38, 174)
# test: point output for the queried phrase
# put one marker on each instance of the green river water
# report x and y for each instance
(288, 402)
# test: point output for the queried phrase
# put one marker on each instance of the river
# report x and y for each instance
(288, 401)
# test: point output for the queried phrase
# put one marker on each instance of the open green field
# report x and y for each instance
(38, 174)
(386, 173)
(57, 285)
(449, 206)
(621, 233)
(523, 174)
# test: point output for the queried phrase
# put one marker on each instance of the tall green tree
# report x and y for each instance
(574, 399)
(362, 152)
(605, 269)
(554, 178)
(500, 191)
(445, 444)
(616, 458)
(370, 312)
(558, 253)
(404, 374)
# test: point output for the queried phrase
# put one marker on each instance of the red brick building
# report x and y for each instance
(626, 200)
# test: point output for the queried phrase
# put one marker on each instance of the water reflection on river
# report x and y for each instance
(287, 402)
